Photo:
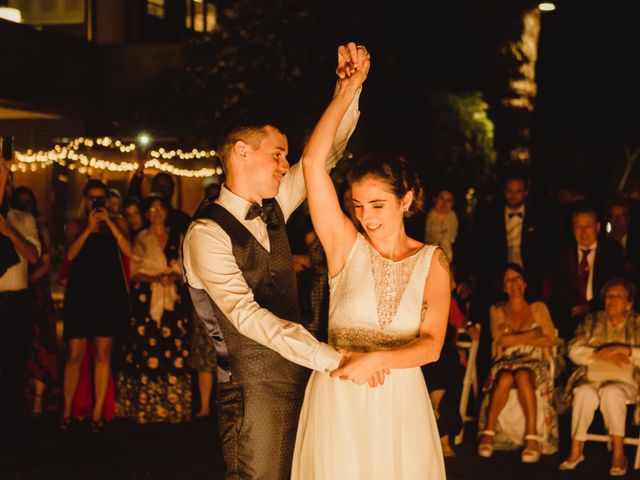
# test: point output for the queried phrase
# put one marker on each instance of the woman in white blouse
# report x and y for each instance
(442, 223)
(610, 337)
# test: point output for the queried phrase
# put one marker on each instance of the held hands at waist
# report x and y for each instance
(361, 368)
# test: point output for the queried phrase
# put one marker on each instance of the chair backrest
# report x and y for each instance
(470, 345)
(470, 380)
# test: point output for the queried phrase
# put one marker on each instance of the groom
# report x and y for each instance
(239, 270)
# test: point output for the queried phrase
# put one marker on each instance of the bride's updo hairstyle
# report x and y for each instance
(395, 171)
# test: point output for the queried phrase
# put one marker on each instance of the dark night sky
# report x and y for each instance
(588, 95)
(588, 92)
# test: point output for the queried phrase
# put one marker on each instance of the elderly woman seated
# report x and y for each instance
(522, 337)
(606, 348)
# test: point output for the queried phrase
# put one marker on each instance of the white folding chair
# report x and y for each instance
(594, 437)
(470, 380)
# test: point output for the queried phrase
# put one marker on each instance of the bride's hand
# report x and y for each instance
(378, 378)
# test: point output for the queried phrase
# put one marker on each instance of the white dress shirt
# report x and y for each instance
(210, 265)
(513, 224)
(17, 276)
(591, 258)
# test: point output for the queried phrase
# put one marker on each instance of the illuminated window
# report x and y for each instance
(200, 16)
(155, 8)
(49, 12)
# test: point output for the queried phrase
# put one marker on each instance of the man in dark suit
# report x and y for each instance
(513, 231)
(581, 270)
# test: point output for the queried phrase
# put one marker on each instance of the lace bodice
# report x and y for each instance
(375, 302)
(390, 280)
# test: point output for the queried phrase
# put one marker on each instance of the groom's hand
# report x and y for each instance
(378, 378)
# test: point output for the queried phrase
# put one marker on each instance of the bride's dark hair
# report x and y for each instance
(395, 171)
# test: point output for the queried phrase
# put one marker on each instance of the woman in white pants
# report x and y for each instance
(608, 339)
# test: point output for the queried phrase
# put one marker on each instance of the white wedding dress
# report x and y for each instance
(350, 431)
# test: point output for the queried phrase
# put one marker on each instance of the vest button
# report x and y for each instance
(273, 274)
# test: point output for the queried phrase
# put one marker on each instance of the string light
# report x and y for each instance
(69, 156)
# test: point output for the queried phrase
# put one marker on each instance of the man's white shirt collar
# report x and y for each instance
(235, 204)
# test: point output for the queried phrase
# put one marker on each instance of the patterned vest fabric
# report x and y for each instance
(271, 277)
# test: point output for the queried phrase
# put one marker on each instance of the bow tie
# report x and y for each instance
(514, 214)
(266, 212)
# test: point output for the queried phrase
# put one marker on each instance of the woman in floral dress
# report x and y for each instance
(522, 337)
(155, 383)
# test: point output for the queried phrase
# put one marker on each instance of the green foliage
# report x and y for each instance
(458, 137)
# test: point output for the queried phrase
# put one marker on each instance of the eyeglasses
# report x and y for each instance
(614, 296)
(517, 279)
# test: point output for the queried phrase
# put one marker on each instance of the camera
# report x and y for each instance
(98, 202)
(7, 148)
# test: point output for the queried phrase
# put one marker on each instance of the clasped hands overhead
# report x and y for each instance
(353, 63)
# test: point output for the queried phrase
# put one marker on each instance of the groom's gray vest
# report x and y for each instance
(271, 277)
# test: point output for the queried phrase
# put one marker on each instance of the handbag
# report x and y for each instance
(600, 371)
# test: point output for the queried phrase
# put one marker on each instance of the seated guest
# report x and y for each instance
(522, 336)
(581, 270)
(606, 348)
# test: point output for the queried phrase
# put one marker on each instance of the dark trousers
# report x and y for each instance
(16, 321)
(447, 374)
(258, 423)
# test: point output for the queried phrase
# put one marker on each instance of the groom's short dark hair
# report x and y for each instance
(250, 128)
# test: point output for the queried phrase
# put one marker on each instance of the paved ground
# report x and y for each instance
(192, 452)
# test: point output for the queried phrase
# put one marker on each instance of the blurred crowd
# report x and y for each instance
(544, 283)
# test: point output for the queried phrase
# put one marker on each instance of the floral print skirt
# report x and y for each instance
(510, 425)
(145, 400)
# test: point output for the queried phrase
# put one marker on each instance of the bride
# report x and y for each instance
(389, 301)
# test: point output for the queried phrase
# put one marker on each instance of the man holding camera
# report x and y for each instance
(19, 246)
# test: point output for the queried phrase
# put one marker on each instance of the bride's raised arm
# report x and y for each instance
(334, 229)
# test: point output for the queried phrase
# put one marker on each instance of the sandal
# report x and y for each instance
(569, 464)
(619, 471)
(65, 423)
(97, 426)
(485, 450)
(530, 455)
